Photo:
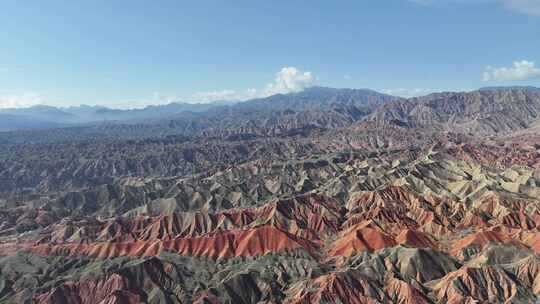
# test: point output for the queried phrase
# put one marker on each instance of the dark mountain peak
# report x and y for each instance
(328, 91)
(317, 97)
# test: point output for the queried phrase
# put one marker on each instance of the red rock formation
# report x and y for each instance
(335, 288)
(401, 292)
(388, 218)
(533, 241)
(218, 245)
(309, 216)
(362, 237)
(528, 272)
(486, 284)
(415, 239)
(477, 241)
(114, 289)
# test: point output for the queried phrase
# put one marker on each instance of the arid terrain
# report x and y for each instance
(323, 196)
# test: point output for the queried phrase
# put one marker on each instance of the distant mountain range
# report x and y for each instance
(489, 109)
(317, 97)
(42, 116)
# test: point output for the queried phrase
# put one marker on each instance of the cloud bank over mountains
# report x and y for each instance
(407, 93)
(287, 80)
(20, 101)
(520, 70)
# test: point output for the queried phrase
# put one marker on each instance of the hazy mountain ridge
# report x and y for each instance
(73, 116)
(311, 98)
(316, 107)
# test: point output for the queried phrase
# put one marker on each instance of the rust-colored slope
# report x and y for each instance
(386, 217)
(308, 216)
(362, 237)
(340, 287)
(527, 271)
(475, 242)
(396, 208)
(415, 239)
(114, 289)
(368, 236)
(380, 198)
(487, 285)
(401, 292)
(533, 241)
(219, 245)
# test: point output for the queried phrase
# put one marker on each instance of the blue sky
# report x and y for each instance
(137, 52)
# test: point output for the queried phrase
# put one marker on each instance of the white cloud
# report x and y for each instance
(160, 98)
(531, 7)
(407, 93)
(225, 95)
(156, 98)
(521, 70)
(20, 101)
(287, 80)
(416, 92)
